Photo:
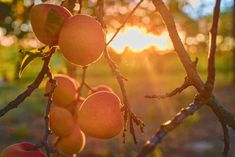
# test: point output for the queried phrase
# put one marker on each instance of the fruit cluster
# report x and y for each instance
(72, 115)
(81, 40)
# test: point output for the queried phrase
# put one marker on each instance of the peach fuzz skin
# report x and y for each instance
(82, 40)
(61, 121)
(66, 91)
(38, 17)
(100, 115)
(74, 143)
(23, 149)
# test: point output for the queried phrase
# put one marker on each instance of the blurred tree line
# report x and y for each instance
(14, 20)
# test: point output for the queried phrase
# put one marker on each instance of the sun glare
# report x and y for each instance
(137, 39)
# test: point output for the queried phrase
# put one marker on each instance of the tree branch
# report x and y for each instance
(178, 45)
(170, 125)
(178, 90)
(209, 86)
(216, 106)
(226, 139)
(20, 98)
(128, 115)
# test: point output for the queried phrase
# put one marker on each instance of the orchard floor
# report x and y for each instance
(200, 135)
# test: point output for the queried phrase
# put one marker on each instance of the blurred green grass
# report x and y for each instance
(147, 74)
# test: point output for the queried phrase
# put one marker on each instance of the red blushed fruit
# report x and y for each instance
(66, 91)
(39, 20)
(100, 115)
(23, 149)
(82, 40)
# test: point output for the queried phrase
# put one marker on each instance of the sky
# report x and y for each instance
(198, 8)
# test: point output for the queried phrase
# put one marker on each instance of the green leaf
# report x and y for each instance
(29, 56)
(54, 22)
(27, 59)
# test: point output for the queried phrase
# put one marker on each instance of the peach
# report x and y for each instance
(100, 116)
(61, 121)
(66, 91)
(74, 143)
(82, 40)
(39, 20)
(23, 149)
(100, 88)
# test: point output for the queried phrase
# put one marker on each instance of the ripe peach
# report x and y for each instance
(74, 143)
(61, 121)
(100, 88)
(23, 149)
(39, 16)
(100, 115)
(82, 40)
(66, 91)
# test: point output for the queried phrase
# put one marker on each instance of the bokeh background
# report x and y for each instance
(145, 55)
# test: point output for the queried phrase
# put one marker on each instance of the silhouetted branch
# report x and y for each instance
(209, 86)
(128, 115)
(178, 90)
(47, 131)
(178, 45)
(169, 126)
(20, 98)
(217, 107)
(226, 139)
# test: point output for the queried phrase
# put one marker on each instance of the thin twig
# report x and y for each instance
(209, 86)
(47, 131)
(226, 139)
(169, 126)
(83, 80)
(128, 115)
(178, 90)
(89, 87)
(80, 9)
(20, 98)
(125, 21)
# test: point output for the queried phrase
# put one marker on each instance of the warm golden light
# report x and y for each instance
(137, 39)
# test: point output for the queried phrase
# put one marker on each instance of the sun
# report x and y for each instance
(138, 39)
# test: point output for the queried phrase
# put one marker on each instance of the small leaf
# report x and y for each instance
(27, 59)
(54, 22)
(29, 56)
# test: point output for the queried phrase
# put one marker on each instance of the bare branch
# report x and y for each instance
(178, 90)
(226, 139)
(125, 21)
(169, 126)
(47, 131)
(209, 86)
(128, 115)
(20, 98)
(178, 45)
(222, 112)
